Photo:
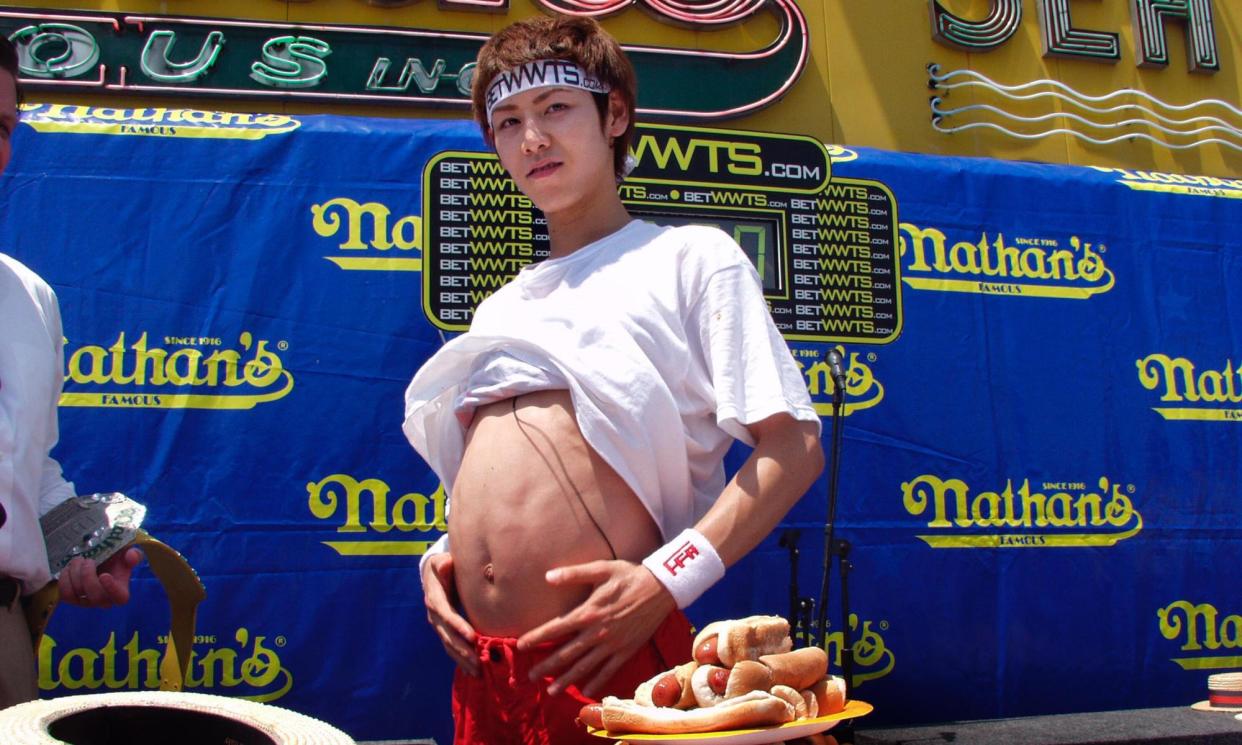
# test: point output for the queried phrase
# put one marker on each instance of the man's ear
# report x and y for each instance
(618, 116)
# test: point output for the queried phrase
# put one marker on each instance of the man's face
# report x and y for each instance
(8, 115)
(551, 142)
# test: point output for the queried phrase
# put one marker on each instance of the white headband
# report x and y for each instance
(541, 74)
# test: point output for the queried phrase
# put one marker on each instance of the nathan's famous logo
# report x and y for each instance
(366, 512)
(1204, 631)
(838, 154)
(872, 658)
(862, 390)
(246, 666)
(1176, 183)
(368, 234)
(1062, 514)
(155, 122)
(991, 265)
(1205, 394)
(195, 372)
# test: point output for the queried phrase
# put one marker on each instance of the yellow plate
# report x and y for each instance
(778, 733)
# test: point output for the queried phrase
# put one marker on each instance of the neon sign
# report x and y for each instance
(226, 58)
(1062, 39)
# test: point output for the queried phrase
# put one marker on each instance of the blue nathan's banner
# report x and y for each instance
(1041, 468)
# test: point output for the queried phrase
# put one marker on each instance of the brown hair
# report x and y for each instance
(577, 39)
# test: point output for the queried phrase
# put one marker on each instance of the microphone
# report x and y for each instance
(836, 367)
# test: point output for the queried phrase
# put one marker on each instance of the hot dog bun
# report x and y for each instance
(755, 709)
(745, 638)
(829, 695)
(743, 676)
(794, 698)
(798, 669)
(747, 676)
(682, 675)
(702, 689)
(812, 703)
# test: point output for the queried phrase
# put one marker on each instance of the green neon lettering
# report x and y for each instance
(157, 65)
(1000, 24)
(1153, 49)
(465, 77)
(1061, 39)
(413, 72)
(292, 62)
(55, 50)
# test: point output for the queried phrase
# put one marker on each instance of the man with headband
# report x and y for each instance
(580, 425)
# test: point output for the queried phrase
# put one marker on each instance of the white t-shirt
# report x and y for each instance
(665, 343)
(31, 373)
(498, 376)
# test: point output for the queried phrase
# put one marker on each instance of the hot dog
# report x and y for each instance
(707, 685)
(670, 688)
(592, 715)
(744, 675)
(741, 639)
(797, 670)
(712, 684)
(755, 709)
(705, 652)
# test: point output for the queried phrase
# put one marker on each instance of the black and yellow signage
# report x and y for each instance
(825, 249)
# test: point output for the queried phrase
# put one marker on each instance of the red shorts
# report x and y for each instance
(504, 707)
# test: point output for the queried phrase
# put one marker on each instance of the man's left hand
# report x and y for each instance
(103, 586)
(623, 611)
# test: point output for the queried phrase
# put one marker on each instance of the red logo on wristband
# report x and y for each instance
(680, 557)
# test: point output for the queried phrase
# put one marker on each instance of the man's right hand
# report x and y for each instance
(84, 583)
(456, 633)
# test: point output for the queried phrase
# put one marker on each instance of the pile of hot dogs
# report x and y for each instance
(743, 675)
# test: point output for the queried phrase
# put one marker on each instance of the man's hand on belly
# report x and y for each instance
(620, 615)
(455, 632)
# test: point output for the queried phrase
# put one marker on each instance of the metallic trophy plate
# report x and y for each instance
(94, 526)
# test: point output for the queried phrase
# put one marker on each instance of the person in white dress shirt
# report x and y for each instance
(31, 374)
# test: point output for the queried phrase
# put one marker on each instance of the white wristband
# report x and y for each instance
(686, 565)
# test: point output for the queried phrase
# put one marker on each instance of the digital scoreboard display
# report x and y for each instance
(757, 237)
(825, 248)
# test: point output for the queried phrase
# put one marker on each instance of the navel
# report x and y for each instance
(489, 573)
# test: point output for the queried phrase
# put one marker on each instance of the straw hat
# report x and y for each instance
(1224, 693)
(150, 717)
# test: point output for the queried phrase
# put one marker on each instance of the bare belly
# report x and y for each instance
(532, 495)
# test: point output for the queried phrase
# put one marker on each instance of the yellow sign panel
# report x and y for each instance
(1134, 84)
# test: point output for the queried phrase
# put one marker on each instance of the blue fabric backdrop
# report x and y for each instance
(1040, 477)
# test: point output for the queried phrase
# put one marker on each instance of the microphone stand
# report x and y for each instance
(789, 541)
(799, 607)
(832, 547)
